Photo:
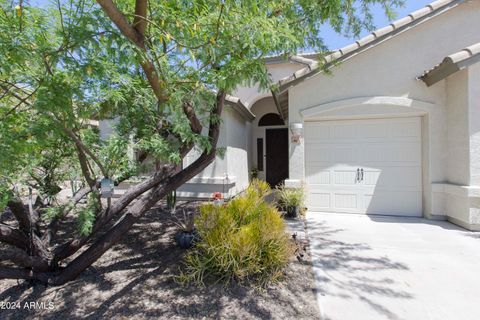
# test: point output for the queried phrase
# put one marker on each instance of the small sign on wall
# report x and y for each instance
(106, 188)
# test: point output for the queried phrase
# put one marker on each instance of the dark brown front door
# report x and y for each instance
(276, 150)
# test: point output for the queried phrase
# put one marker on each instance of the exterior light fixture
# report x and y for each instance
(296, 128)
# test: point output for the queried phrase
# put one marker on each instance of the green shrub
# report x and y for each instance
(244, 240)
(291, 197)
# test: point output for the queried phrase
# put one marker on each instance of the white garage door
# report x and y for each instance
(364, 166)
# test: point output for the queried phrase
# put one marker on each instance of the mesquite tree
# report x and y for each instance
(162, 69)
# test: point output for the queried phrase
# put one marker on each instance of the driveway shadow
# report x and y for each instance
(352, 272)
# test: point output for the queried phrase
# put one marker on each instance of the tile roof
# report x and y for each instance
(314, 66)
(238, 105)
(451, 64)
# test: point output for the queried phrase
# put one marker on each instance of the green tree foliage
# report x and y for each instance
(160, 68)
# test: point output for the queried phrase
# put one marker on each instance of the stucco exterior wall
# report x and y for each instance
(474, 122)
(237, 150)
(460, 194)
(390, 70)
(227, 174)
(217, 168)
(250, 95)
(474, 132)
(458, 171)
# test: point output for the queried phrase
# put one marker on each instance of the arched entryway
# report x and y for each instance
(270, 142)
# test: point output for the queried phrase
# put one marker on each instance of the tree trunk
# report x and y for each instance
(144, 204)
(33, 250)
(46, 269)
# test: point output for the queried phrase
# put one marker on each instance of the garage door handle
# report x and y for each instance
(357, 177)
(361, 171)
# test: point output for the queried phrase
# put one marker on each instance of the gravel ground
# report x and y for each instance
(134, 280)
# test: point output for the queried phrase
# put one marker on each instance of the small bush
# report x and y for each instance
(291, 197)
(244, 240)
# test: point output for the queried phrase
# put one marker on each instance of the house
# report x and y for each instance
(395, 129)
(392, 129)
(254, 136)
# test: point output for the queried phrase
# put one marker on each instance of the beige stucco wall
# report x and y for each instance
(390, 70)
(474, 133)
(237, 150)
(276, 71)
(227, 174)
(458, 171)
(459, 196)
(474, 122)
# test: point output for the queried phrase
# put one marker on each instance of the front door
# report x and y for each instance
(276, 155)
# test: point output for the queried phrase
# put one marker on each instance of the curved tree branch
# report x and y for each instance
(87, 174)
(133, 34)
(21, 214)
(119, 19)
(140, 19)
(16, 273)
(21, 258)
(189, 111)
(159, 191)
(13, 237)
(86, 150)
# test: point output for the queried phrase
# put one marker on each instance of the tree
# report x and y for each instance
(163, 69)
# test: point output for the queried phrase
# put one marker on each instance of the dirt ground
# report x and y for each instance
(135, 280)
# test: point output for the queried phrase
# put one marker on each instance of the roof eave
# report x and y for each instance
(446, 69)
(277, 105)
(378, 36)
(238, 106)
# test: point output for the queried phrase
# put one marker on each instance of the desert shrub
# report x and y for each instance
(244, 240)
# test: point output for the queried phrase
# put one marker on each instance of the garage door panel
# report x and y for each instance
(345, 176)
(405, 152)
(345, 131)
(318, 133)
(344, 154)
(318, 177)
(322, 153)
(401, 176)
(372, 177)
(319, 200)
(408, 129)
(372, 130)
(388, 151)
(410, 204)
(345, 200)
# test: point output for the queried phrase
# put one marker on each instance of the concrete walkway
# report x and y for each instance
(375, 267)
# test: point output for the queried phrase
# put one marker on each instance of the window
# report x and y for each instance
(271, 119)
(260, 154)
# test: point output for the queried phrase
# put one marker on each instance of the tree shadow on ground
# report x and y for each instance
(351, 271)
(136, 279)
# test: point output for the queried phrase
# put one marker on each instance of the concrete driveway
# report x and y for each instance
(376, 267)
